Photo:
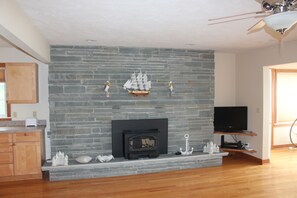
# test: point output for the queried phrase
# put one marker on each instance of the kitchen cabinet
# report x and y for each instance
(21, 155)
(21, 83)
(6, 155)
(26, 153)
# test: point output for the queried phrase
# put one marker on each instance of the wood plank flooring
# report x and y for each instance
(236, 178)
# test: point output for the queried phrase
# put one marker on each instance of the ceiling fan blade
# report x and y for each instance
(238, 19)
(260, 24)
(237, 15)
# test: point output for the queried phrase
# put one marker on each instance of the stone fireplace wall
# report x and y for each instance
(81, 114)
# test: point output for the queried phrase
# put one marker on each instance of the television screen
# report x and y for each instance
(230, 118)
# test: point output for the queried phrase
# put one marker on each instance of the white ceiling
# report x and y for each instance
(149, 23)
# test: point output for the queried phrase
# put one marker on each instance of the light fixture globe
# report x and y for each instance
(281, 22)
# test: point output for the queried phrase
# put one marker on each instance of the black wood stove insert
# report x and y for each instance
(141, 143)
(139, 138)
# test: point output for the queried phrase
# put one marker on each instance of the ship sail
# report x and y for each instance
(127, 85)
(147, 84)
(140, 81)
(134, 82)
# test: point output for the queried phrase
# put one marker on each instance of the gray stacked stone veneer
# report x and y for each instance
(81, 114)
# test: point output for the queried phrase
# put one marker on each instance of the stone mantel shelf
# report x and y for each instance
(122, 161)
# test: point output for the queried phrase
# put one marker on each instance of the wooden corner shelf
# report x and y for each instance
(240, 133)
(243, 133)
(238, 150)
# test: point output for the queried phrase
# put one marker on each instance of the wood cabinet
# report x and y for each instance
(6, 155)
(26, 153)
(21, 155)
(21, 83)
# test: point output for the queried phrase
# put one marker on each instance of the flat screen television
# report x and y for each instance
(230, 118)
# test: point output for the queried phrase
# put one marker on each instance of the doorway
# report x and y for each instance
(284, 84)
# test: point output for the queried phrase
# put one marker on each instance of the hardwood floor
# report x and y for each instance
(236, 178)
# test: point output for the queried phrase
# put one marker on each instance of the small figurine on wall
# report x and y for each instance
(170, 87)
(106, 88)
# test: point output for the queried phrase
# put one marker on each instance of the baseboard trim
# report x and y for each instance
(254, 159)
(20, 177)
(282, 146)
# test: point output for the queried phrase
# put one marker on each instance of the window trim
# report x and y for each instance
(8, 107)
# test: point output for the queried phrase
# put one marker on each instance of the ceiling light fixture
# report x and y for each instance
(277, 15)
(281, 22)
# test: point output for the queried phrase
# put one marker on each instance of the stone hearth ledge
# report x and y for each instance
(121, 166)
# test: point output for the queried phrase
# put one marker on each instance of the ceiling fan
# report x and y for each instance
(279, 15)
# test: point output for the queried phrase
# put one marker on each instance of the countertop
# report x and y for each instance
(21, 129)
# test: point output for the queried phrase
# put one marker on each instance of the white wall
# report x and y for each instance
(225, 66)
(24, 111)
(225, 84)
(281, 135)
(252, 89)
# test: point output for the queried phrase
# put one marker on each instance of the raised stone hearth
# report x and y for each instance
(121, 166)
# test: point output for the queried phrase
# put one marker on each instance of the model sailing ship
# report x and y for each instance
(138, 84)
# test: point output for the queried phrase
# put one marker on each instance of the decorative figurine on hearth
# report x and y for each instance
(211, 148)
(105, 158)
(60, 159)
(187, 151)
(106, 88)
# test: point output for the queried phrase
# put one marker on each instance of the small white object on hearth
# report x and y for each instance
(83, 159)
(187, 151)
(211, 148)
(60, 159)
(105, 158)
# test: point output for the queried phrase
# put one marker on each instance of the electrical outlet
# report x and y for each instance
(14, 114)
(34, 114)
